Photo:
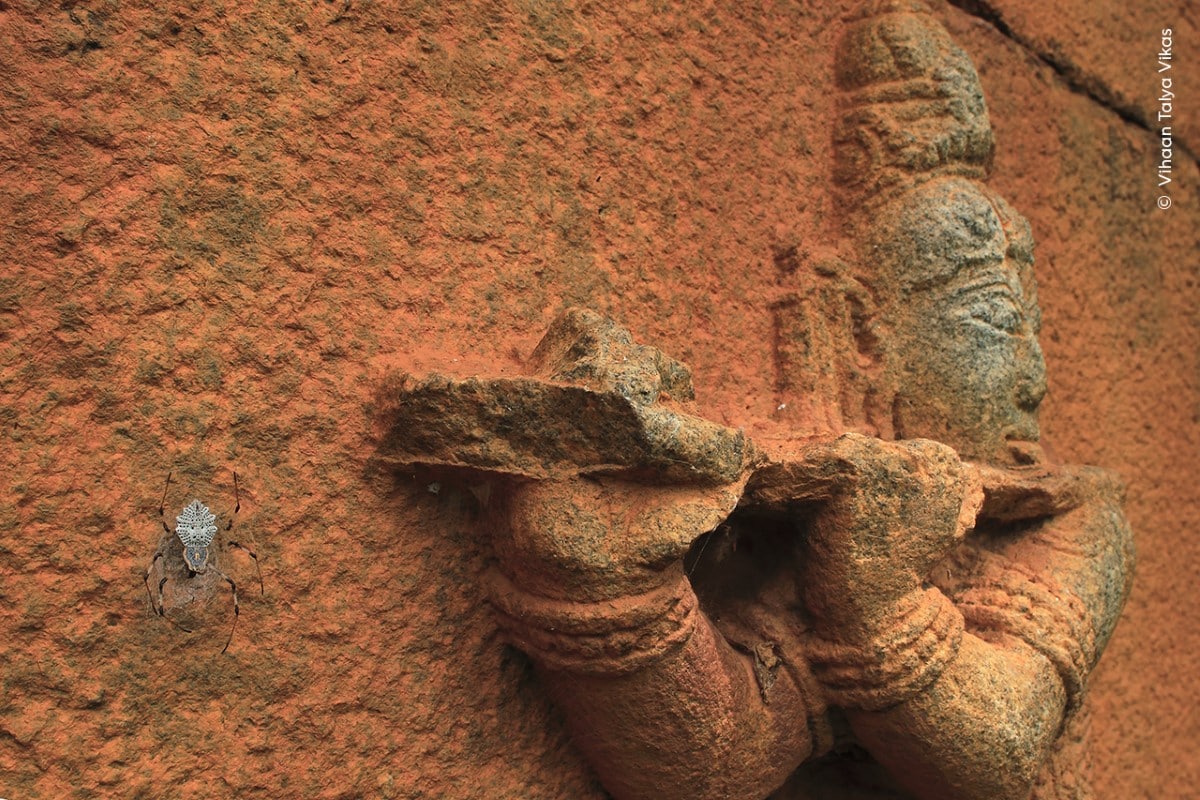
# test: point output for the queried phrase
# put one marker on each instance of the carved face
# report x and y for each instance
(964, 319)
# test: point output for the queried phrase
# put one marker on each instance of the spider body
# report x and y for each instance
(196, 526)
(188, 555)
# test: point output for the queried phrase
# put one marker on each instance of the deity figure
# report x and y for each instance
(891, 634)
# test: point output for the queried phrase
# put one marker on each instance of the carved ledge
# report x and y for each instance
(594, 403)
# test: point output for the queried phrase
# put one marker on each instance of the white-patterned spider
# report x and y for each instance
(193, 550)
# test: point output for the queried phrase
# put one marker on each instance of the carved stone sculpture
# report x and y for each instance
(909, 606)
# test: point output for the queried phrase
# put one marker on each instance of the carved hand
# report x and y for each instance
(601, 538)
(897, 508)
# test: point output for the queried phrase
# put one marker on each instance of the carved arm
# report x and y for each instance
(954, 710)
(591, 586)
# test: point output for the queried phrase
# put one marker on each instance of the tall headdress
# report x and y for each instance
(911, 112)
(912, 107)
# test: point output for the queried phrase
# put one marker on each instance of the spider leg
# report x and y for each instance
(146, 579)
(237, 608)
(162, 510)
(237, 507)
(162, 518)
(237, 502)
(162, 503)
(162, 612)
(261, 589)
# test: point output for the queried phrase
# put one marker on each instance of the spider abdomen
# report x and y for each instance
(196, 525)
(195, 557)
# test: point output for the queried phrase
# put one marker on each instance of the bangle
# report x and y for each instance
(606, 637)
(1051, 619)
(898, 662)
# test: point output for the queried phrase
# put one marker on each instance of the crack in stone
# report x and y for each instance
(1071, 74)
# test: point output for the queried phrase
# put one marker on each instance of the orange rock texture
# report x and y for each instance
(223, 224)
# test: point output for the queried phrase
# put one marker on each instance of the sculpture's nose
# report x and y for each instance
(1031, 384)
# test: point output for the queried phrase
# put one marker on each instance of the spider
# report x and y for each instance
(188, 552)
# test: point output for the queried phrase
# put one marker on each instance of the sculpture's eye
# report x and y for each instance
(997, 310)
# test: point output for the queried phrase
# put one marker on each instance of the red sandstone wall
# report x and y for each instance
(221, 223)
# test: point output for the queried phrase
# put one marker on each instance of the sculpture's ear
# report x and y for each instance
(830, 356)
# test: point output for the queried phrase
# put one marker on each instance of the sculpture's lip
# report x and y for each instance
(1025, 452)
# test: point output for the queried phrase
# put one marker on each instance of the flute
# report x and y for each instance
(525, 428)
(1010, 493)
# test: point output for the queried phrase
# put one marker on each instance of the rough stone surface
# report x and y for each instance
(601, 405)
(223, 223)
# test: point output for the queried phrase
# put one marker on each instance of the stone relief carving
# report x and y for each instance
(908, 606)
